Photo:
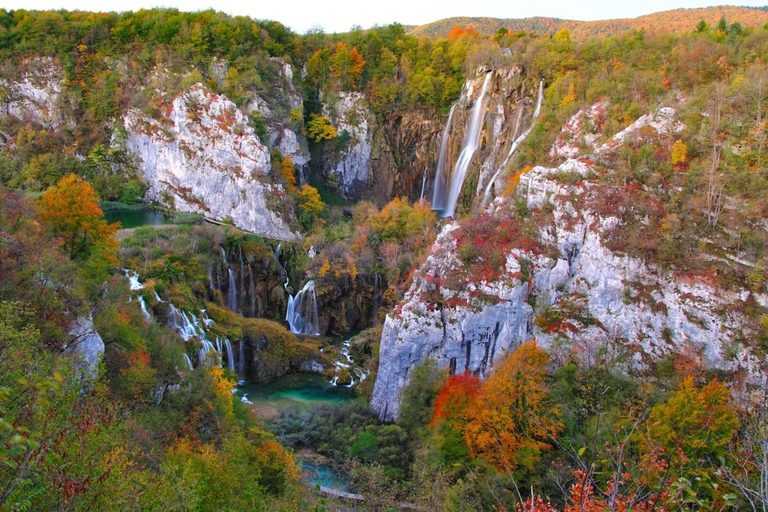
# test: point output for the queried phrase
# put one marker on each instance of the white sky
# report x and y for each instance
(341, 15)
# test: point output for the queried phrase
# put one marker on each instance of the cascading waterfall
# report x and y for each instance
(302, 311)
(230, 355)
(423, 183)
(441, 175)
(189, 362)
(133, 280)
(349, 366)
(468, 148)
(516, 143)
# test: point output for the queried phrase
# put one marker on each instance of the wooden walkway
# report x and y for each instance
(327, 491)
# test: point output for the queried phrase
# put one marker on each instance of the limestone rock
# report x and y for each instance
(205, 158)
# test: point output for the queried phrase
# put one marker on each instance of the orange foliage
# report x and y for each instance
(456, 32)
(515, 420)
(71, 209)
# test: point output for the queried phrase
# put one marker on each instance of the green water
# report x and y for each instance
(137, 218)
(301, 389)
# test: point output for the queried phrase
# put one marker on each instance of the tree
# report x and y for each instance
(685, 437)
(319, 128)
(286, 169)
(679, 153)
(516, 419)
(71, 210)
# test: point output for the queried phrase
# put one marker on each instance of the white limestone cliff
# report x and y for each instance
(205, 158)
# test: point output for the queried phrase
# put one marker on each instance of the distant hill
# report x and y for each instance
(677, 20)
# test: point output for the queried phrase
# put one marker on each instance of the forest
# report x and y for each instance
(151, 422)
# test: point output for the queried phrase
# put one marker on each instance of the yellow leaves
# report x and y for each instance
(570, 97)
(679, 152)
(312, 202)
(319, 128)
(515, 179)
(324, 269)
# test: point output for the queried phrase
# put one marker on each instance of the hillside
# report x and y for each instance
(536, 266)
(677, 20)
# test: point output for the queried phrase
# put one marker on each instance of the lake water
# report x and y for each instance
(301, 389)
(137, 218)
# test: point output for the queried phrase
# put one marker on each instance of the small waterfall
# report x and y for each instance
(230, 355)
(423, 183)
(516, 143)
(348, 366)
(232, 292)
(468, 148)
(441, 175)
(224, 255)
(144, 311)
(189, 361)
(157, 297)
(302, 311)
(241, 361)
(277, 258)
(133, 280)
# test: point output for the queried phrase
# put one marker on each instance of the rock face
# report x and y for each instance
(205, 158)
(565, 288)
(349, 165)
(35, 94)
(87, 345)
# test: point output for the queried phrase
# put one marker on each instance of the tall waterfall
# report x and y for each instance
(302, 311)
(468, 148)
(519, 140)
(442, 175)
(232, 292)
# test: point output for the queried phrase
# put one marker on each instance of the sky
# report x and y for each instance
(341, 15)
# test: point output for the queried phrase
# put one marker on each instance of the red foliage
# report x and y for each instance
(459, 393)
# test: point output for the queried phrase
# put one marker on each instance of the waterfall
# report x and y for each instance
(277, 258)
(157, 297)
(516, 143)
(224, 255)
(302, 311)
(468, 148)
(144, 311)
(179, 321)
(189, 361)
(133, 280)
(441, 175)
(241, 362)
(232, 292)
(423, 183)
(230, 355)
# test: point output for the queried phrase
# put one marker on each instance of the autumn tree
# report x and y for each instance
(685, 436)
(286, 169)
(319, 128)
(516, 419)
(71, 210)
